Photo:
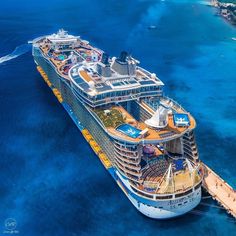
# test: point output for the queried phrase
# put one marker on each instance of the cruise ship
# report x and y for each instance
(144, 139)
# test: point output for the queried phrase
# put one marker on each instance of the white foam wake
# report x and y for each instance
(20, 50)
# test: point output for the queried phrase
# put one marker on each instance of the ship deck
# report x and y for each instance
(181, 179)
(169, 132)
(58, 58)
(155, 180)
(58, 64)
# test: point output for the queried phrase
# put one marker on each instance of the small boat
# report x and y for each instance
(234, 38)
(152, 27)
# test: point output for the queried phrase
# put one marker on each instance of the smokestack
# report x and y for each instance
(123, 56)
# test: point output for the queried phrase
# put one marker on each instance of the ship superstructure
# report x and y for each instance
(145, 138)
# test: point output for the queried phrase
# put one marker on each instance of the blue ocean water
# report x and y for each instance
(51, 182)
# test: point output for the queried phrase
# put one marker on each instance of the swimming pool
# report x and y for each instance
(181, 119)
(61, 57)
(129, 130)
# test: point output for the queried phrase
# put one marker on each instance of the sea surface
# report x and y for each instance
(51, 182)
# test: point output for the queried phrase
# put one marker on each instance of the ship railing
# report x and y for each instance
(126, 144)
(128, 165)
(147, 73)
(126, 149)
(146, 101)
(109, 100)
(151, 185)
(132, 161)
(96, 117)
(145, 167)
(127, 154)
(176, 105)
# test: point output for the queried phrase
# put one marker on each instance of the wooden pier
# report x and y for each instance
(220, 191)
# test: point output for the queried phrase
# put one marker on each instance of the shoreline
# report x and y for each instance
(227, 10)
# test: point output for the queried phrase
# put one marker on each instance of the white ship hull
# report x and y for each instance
(169, 210)
(164, 209)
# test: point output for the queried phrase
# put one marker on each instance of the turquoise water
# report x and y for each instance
(51, 182)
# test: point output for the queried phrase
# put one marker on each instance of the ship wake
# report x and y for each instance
(18, 51)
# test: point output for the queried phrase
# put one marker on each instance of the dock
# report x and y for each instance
(220, 191)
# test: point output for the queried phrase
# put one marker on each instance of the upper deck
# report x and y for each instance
(97, 78)
(136, 131)
(64, 51)
(86, 77)
(101, 81)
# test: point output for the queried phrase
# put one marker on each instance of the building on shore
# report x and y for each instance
(227, 9)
